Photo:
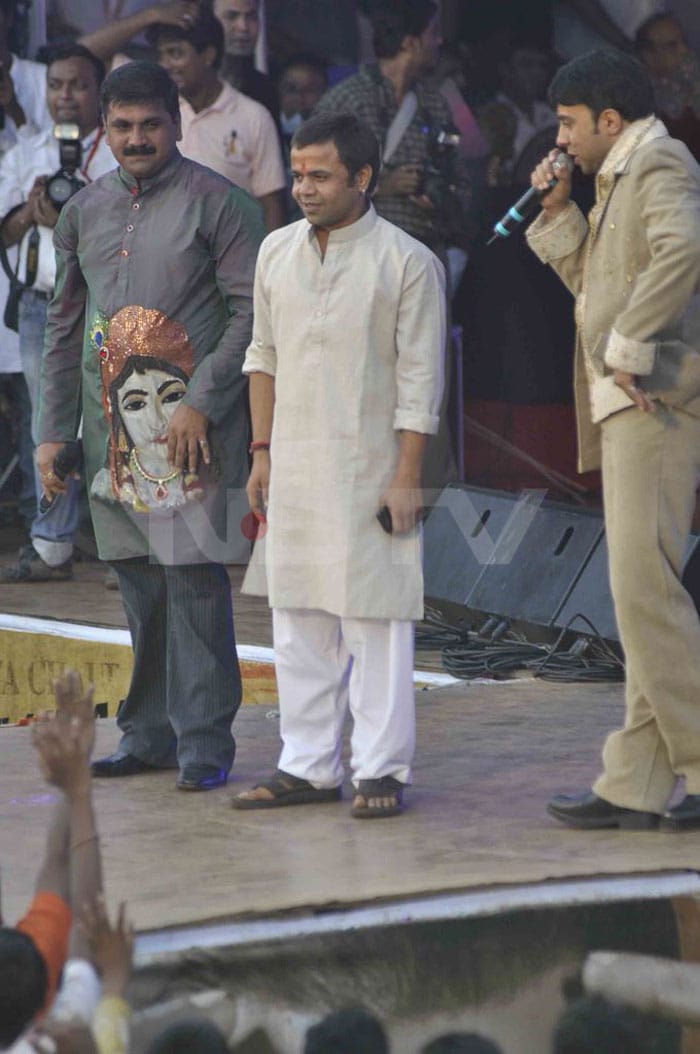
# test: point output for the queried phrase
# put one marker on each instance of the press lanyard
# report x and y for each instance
(93, 150)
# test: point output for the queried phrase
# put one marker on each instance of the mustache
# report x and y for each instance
(138, 151)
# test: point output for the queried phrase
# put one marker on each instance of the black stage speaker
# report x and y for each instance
(525, 559)
(530, 577)
(591, 598)
(591, 595)
(459, 537)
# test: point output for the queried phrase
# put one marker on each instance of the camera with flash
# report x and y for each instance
(64, 183)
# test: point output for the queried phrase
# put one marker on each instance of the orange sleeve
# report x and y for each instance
(48, 924)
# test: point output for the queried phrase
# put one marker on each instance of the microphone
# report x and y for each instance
(526, 205)
(67, 460)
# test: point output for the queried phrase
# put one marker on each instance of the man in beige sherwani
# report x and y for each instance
(634, 268)
(345, 373)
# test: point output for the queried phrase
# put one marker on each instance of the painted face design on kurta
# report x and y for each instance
(146, 361)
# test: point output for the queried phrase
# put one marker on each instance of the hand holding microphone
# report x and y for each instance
(67, 462)
(550, 190)
(552, 180)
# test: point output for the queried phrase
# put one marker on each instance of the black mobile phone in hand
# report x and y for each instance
(384, 518)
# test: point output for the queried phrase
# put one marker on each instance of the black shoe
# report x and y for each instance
(682, 817)
(588, 811)
(201, 778)
(119, 764)
(31, 568)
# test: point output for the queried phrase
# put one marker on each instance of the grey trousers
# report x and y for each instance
(651, 469)
(186, 684)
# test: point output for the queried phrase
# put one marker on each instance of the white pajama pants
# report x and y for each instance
(325, 665)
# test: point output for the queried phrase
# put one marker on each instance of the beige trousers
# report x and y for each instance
(651, 470)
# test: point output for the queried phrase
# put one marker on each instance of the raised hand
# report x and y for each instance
(72, 701)
(112, 947)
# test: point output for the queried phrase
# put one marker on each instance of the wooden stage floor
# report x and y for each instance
(489, 755)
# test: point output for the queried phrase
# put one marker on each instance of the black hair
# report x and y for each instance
(140, 82)
(393, 20)
(185, 1037)
(307, 60)
(356, 143)
(352, 1031)
(61, 52)
(604, 80)
(24, 984)
(461, 1043)
(205, 32)
(594, 1026)
(641, 37)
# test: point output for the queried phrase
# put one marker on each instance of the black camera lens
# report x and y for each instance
(59, 189)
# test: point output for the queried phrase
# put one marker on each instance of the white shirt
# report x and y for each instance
(355, 342)
(29, 79)
(77, 998)
(237, 137)
(39, 156)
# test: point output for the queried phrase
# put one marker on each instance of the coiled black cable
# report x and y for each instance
(469, 655)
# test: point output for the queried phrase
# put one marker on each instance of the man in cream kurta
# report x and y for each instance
(634, 269)
(347, 339)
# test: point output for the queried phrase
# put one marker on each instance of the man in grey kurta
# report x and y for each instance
(151, 317)
(346, 378)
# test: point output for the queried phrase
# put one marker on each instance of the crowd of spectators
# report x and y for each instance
(485, 86)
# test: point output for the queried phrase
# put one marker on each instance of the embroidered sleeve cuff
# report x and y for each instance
(411, 421)
(558, 238)
(631, 356)
(260, 359)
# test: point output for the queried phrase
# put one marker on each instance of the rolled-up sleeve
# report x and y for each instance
(420, 345)
(261, 355)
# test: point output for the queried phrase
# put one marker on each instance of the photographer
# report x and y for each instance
(74, 76)
(423, 186)
(407, 113)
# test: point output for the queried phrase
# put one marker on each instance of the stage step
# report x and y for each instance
(34, 651)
